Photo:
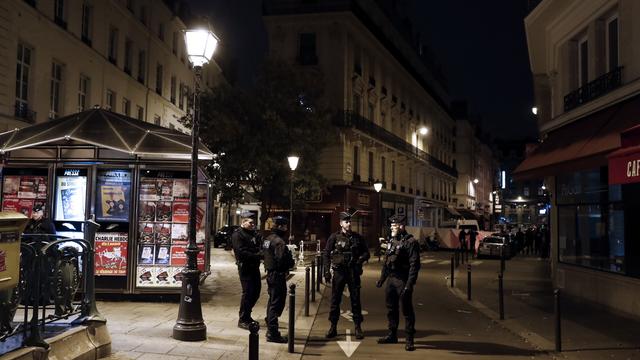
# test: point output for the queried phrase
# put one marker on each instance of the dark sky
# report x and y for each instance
(481, 46)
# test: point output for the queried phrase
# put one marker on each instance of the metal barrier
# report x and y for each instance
(53, 269)
(306, 291)
(313, 280)
(292, 316)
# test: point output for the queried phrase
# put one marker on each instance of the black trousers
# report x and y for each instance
(251, 287)
(277, 287)
(394, 288)
(342, 278)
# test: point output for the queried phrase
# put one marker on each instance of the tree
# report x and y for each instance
(257, 129)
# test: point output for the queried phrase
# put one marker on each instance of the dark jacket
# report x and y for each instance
(277, 256)
(42, 226)
(351, 250)
(246, 247)
(402, 259)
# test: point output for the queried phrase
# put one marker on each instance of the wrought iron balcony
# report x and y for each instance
(593, 89)
(352, 120)
(23, 112)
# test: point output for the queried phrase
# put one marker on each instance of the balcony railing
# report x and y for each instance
(349, 119)
(23, 112)
(593, 89)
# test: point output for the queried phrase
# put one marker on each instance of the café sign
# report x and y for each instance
(624, 167)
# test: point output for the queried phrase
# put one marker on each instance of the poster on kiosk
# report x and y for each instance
(70, 202)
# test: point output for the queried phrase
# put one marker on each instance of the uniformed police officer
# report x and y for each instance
(345, 252)
(246, 247)
(400, 270)
(277, 262)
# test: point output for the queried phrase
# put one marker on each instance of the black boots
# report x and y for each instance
(358, 332)
(245, 324)
(409, 346)
(333, 332)
(391, 338)
(276, 338)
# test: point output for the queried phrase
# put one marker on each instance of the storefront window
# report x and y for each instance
(590, 222)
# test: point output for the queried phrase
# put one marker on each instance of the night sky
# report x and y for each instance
(481, 46)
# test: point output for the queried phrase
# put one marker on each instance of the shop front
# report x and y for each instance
(132, 176)
(591, 166)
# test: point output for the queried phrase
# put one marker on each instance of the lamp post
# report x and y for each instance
(200, 44)
(377, 186)
(293, 164)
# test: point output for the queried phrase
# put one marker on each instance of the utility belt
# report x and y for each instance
(341, 259)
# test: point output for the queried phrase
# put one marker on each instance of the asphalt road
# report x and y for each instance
(447, 328)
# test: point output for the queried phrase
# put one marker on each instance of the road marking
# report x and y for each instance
(428, 261)
(349, 315)
(464, 311)
(476, 262)
(444, 262)
(349, 347)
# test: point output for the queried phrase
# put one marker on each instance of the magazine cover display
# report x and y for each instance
(71, 198)
(113, 195)
(163, 230)
(22, 193)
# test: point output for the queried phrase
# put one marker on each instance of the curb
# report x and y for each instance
(537, 341)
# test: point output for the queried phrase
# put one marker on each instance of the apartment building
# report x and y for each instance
(394, 126)
(65, 56)
(585, 58)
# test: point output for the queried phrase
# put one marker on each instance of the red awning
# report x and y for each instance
(583, 144)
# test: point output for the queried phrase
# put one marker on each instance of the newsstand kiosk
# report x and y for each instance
(134, 177)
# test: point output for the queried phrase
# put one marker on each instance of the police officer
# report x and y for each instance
(400, 270)
(38, 224)
(246, 247)
(345, 252)
(277, 262)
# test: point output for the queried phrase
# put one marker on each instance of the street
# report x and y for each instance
(447, 327)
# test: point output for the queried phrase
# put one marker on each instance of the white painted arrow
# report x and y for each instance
(349, 347)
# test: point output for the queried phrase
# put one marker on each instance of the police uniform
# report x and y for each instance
(43, 226)
(277, 262)
(246, 247)
(345, 253)
(400, 270)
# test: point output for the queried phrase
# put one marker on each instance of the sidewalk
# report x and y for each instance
(142, 330)
(588, 332)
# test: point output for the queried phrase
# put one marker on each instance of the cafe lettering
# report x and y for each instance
(632, 168)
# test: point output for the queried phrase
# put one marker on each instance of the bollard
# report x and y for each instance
(501, 295)
(502, 259)
(468, 281)
(254, 340)
(313, 280)
(556, 297)
(452, 269)
(306, 291)
(319, 272)
(455, 254)
(292, 315)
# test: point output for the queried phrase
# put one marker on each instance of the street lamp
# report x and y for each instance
(423, 130)
(293, 164)
(378, 186)
(200, 45)
(475, 181)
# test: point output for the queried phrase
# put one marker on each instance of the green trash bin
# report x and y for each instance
(12, 224)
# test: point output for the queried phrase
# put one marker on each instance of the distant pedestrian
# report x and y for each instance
(345, 253)
(246, 248)
(277, 261)
(462, 236)
(400, 271)
(472, 242)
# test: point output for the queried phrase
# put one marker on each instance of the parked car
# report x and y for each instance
(223, 236)
(493, 246)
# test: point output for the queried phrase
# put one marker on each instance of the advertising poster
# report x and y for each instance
(147, 211)
(111, 254)
(179, 233)
(144, 276)
(163, 255)
(163, 211)
(71, 198)
(165, 187)
(11, 186)
(148, 190)
(180, 212)
(147, 254)
(162, 277)
(147, 233)
(32, 187)
(178, 257)
(181, 189)
(11, 205)
(25, 206)
(113, 195)
(175, 276)
(163, 233)
(200, 231)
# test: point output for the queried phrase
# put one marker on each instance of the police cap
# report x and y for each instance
(280, 220)
(398, 219)
(344, 216)
(38, 207)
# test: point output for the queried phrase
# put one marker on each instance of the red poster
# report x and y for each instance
(11, 186)
(180, 212)
(111, 254)
(10, 205)
(179, 258)
(25, 206)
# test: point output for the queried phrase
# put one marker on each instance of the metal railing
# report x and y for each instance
(350, 119)
(53, 271)
(593, 89)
